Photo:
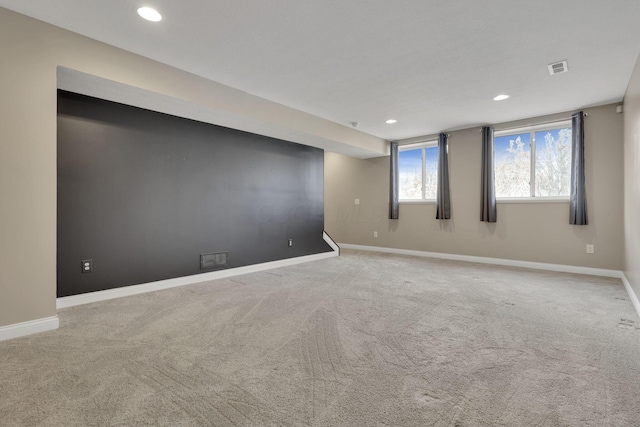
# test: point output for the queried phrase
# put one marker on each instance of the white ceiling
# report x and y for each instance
(433, 65)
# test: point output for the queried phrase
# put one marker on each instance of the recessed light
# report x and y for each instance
(391, 121)
(501, 97)
(150, 14)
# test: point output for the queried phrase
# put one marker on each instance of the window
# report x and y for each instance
(418, 171)
(533, 161)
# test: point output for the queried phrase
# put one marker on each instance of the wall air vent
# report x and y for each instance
(213, 260)
(558, 67)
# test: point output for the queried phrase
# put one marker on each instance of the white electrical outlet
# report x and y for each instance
(357, 201)
(591, 249)
(375, 234)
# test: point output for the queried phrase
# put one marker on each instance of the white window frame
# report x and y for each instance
(414, 146)
(560, 124)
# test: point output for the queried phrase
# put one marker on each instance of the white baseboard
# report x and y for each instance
(27, 328)
(497, 261)
(108, 294)
(632, 294)
(330, 242)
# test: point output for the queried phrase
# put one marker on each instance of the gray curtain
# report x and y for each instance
(394, 206)
(577, 200)
(443, 203)
(488, 189)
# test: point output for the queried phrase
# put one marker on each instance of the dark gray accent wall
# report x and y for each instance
(143, 194)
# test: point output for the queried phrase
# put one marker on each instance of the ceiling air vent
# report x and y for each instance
(558, 67)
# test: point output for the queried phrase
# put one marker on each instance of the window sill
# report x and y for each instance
(417, 202)
(533, 200)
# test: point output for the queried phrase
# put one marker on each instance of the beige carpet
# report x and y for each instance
(361, 340)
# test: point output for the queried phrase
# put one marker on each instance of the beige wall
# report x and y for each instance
(632, 180)
(30, 51)
(537, 232)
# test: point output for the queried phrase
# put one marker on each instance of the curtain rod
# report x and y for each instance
(419, 139)
(535, 124)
